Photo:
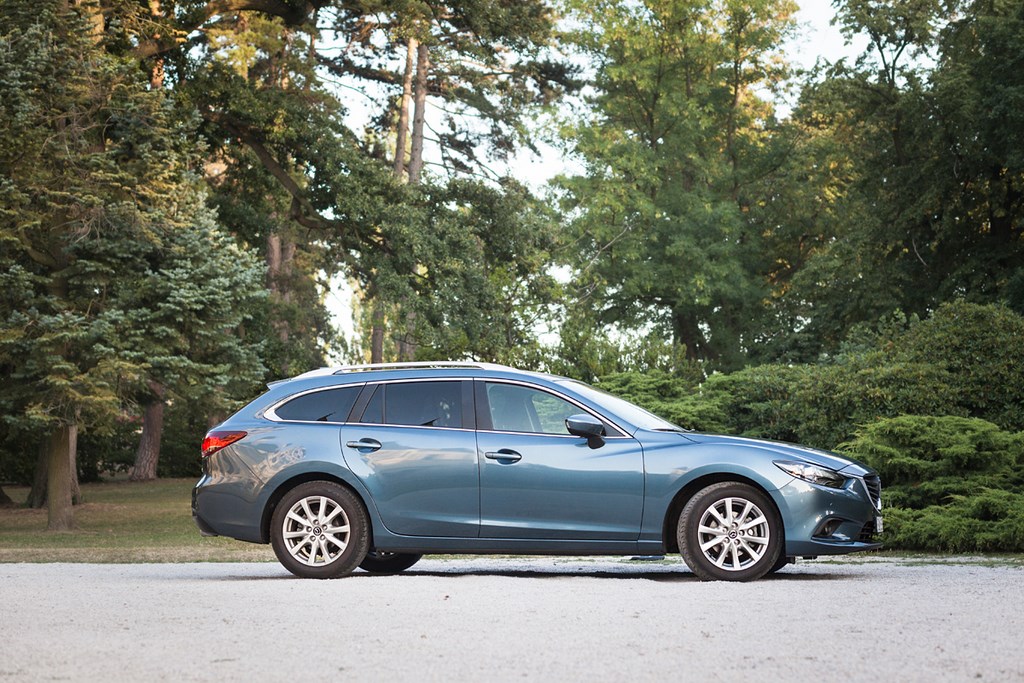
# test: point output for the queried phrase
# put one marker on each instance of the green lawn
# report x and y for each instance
(120, 522)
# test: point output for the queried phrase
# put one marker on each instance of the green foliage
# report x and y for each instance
(924, 459)
(671, 153)
(916, 170)
(990, 520)
(116, 278)
(951, 484)
(671, 396)
(979, 348)
(759, 401)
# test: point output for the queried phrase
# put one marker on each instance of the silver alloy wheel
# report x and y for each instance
(316, 531)
(733, 534)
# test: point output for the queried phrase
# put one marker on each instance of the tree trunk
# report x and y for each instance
(407, 347)
(402, 133)
(37, 495)
(688, 335)
(377, 334)
(420, 100)
(280, 264)
(148, 453)
(76, 489)
(63, 443)
(40, 482)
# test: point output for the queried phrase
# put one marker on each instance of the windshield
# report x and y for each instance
(624, 409)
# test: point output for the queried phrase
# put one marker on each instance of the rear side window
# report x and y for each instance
(330, 405)
(420, 404)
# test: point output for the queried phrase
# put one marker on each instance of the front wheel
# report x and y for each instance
(729, 532)
(319, 530)
(379, 562)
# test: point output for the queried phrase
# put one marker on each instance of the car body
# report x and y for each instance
(374, 466)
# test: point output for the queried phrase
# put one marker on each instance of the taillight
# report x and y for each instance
(215, 441)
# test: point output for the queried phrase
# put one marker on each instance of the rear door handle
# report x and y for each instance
(505, 455)
(364, 444)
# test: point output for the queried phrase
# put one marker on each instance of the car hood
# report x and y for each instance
(790, 450)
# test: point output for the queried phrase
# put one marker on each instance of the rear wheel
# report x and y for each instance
(729, 532)
(378, 562)
(319, 530)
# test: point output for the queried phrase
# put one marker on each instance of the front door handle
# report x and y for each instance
(364, 444)
(504, 455)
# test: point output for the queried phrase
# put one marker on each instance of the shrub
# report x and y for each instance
(990, 521)
(759, 401)
(981, 350)
(949, 483)
(667, 395)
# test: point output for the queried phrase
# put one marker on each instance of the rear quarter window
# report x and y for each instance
(329, 405)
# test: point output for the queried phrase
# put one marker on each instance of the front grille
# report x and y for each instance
(874, 487)
(867, 533)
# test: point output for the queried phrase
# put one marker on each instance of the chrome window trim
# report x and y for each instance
(271, 412)
(552, 436)
(379, 424)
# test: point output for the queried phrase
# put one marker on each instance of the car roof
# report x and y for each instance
(386, 370)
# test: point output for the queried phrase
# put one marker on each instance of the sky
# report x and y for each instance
(815, 38)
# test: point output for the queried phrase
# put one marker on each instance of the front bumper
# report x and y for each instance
(826, 521)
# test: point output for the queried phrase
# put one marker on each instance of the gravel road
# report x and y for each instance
(474, 619)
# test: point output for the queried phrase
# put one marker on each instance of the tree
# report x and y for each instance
(920, 197)
(671, 151)
(97, 199)
(186, 323)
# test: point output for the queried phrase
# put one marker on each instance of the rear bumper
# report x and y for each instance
(230, 505)
(204, 527)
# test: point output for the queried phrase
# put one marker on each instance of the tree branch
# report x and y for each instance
(293, 12)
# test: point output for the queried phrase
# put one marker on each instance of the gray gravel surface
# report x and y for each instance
(502, 619)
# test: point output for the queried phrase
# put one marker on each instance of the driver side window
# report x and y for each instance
(515, 408)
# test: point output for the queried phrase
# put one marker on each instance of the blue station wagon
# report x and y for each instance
(373, 466)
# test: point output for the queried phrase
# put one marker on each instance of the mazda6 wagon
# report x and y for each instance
(373, 466)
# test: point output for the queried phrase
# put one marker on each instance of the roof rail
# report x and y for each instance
(416, 364)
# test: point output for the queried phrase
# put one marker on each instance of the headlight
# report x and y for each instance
(812, 473)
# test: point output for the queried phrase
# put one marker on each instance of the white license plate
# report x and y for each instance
(878, 524)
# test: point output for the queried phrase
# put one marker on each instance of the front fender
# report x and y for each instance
(678, 467)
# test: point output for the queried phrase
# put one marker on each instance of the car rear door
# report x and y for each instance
(414, 448)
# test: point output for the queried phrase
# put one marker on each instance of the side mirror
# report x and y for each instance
(588, 427)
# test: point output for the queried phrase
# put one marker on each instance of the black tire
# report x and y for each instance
(377, 562)
(736, 556)
(780, 563)
(332, 540)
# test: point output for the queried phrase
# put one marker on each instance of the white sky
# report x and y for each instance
(815, 38)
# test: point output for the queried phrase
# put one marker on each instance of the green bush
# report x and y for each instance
(665, 394)
(981, 350)
(990, 521)
(949, 483)
(759, 401)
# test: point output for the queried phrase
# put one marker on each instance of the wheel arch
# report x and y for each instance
(281, 489)
(683, 496)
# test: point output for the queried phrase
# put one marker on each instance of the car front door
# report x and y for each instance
(414, 448)
(539, 481)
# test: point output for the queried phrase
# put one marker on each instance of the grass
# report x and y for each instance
(120, 521)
